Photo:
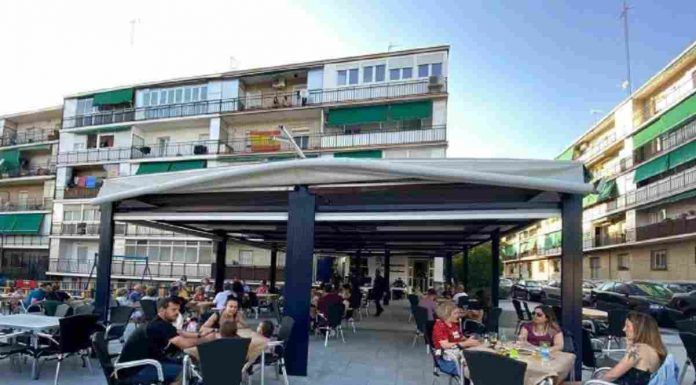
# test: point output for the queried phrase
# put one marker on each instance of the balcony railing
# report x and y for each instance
(590, 242)
(656, 106)
(432, 134)
(79, 228)
(122, 229)
(43, 169)
(667, 142)
(201, 147)
(77, 192)
(24, 240)
(597, 147)
(30, 204)
(667, 228)
(387, 90)
(135, 268)
(94, 155)
(37, 135)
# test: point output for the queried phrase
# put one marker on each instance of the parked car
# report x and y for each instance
(647, 297)
(680, 287)
(504, 288)
(682, 305)
(529, 290)
(551, 292)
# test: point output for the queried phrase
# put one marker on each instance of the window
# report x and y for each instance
(179, 252)
(395, 74)
(246, 257)
(406, 73)
(657, 216)
(379, 72)
(167, 96)
(594, 267)
(556, 266)
(72, 214)
(423, 70)
(106, 141)
(302, 141)
(353, 76)
(542, 266)
(191, 252)
(658, 259)
(84, 106)
(436, 69)
(91, 214)
(622, 262)
(341, 79)
(368, 74)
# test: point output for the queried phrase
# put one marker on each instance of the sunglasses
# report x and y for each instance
(538, 314)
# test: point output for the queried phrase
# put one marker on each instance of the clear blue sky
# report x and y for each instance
(524, 75)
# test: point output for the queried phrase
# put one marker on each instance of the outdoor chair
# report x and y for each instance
(669, 360)
(689, 341)
(50, 307)
(593, 356)
(73, 339)
(558, 314)
(688, 326)
(617, 319)
(492, 320)
(469, 326)
(463, 302)
(100, 348)
(222, 360)
(486, 368)
(274, 354)
(365, 304)
(10, 347)
(253, 304)
(437, 353)
(527, 312)
(63, 310)
(413, 301)
(521, 318)
(149, 308)
(354, 302)
(332, 322)
(84, 309)
(119, 317)
(33, 308)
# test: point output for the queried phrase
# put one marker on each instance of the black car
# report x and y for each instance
(529, 290)
(682, 305)
(646, 297)
(551, 292)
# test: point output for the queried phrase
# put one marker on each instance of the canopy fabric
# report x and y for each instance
(589, 200)
(567, 154)
(10, 160)
(113, 97)
(682, 155)
(542, 175)
(667, 122)
(187, 165)
(20, 223)
(105, 129)
(369, 154)
(160, 167)
(652, 168)
(412, 110)
(606, 189)
(357, 115)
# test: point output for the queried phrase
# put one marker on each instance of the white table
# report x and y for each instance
(32, 323)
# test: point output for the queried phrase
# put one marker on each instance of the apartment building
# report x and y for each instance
(641, 223)
(388, 105)
(28, 148)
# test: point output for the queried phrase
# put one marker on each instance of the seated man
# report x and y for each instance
(331, 297)
(159, 341)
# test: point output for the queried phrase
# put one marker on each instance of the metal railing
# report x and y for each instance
(25, 240)
(598, 147)
(94, 155)
(25, 136)
(78, 228)
(127, 267)
(77, 192)
(200, 147)
(656, 105)
(125, 230)
(28, 204)
(430, 134)
(668, 141)
(41, 169)
(590, 242)
(666, 228)
(386, 90)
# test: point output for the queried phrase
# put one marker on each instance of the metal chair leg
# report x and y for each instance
(285, 373)
(342, 338)
(326, 340)
(60, 360)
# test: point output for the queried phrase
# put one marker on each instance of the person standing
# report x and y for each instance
(378, 289)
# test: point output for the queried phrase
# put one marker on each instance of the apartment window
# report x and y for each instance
(91, 214)
(658, 259)
(353, 76)
(368, 73)
(594, 267)
(622, 263)
(166, 96)
(395, 74)
(436, 69)
(556, 266)
(406, 73)
(84, 106)
(106, 141)
(423, 70)
(302, 141)
(342, 78)
(542, 266)
(380, 72)
(246, 257)
(72, 214)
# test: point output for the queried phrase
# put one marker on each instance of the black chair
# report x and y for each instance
(527, 312)
(469, 326)
(73, 339)
(149, 308)
(557, 312)
(276, 356)
(50, 307)
(463, 301)
(84, 310)
(493, 320)
(617, 319)
(101, 350)
(687, 326)
(332, 322)
(689, 341)
(63, 310)
(521, 318)
(253, 303)
(222, 360)
(119, 317)
(413, 302)
(420, 315)
(486, 368)
(11, 346)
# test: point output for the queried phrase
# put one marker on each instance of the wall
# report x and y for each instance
(39, 124)
(423, 153)
(179, 134)
(240, 130)
(260, 257)
(11, 193)
(623, 118)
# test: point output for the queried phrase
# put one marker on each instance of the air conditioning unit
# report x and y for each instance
(278, 83)
(435, 83)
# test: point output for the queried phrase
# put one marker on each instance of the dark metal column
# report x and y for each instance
(106, 248)
(448, 268)
(220, 257)
(495, 267)
(298, 276)
(387, 267)
(274, 267)
(571, 271)
(465, 268)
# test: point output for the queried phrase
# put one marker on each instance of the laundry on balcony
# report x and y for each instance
(89, 182)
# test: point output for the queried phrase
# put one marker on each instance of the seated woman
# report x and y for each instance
(446, 335)
(263, 289)
(645, 352)
(229, 313)
(542, 329)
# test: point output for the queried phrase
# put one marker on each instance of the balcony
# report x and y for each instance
(590, 242)
(657, 105)
(43, 169)
(134, 268)
(387, 90)
(386, 137)
(201, 147)
(30, 204)
(597, 147)
(79, 228)
(25, 241)
(667, 142)
(12, 138)
(667, 228)
(77, 192)
(94, 155)
(121, 229)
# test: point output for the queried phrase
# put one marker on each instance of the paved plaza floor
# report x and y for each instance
(380, 352)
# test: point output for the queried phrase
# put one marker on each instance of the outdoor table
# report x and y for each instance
(32, 323)
(558, 367)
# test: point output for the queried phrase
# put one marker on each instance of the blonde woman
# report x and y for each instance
(446, 335)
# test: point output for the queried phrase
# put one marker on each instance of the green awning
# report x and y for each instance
(589, 200)
(159, 167)
(113, 97)
(105, 129)
(187, 165)
(20, 223)
(372, 154)
(652, 168)
(667, 122)
(10, 160)
(413, 110)
(682, 155)
(552, 240)
(357, 115)
(606, 189)
(6, 223)
(567, 154)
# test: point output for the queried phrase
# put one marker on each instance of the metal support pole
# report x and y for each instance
(220, 257)
(106, 247)
(298, 276)
(465, 268)
(571, 272)
(274, 267)
(387, 267)
(495, 268)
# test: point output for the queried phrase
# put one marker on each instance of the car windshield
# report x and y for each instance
(653, 289)
(533, 283)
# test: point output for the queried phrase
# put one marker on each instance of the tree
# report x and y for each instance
(479, 267)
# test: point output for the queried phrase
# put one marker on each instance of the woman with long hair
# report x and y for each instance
(645, 351)
(542, 329)
(230, 312)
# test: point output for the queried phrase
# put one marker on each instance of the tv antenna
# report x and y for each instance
(390, 46)
(624, 15)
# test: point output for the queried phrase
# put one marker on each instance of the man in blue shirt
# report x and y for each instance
(38, 294)
(136, 294)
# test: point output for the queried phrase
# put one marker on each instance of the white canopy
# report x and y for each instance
(543, 175)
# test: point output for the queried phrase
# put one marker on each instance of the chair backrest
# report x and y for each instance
(471, 326)
(527, 312)
(356, 299)
(120, 314)
(101, 350)
(136, 346)
(463, 301)
(413, 300)
(336, 311)
(493, 319)
(63, 310)
(84, 309)
(75, 332)
(588, 353)
(687, 325)
(50, 307)
(222, 360)
(518, 310)
(149, 308)
(35, 308)
(689, 341)
(420, 315)
(286, 325)
(253, 299)
(558, 313)
(617, 319)
(486, 368)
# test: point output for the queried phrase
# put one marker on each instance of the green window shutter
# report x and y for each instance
(552, 240)
(668, 121)
(152, 168)
(567, 154)
(187, 165)
(589, 200)
(6, 223)
(27, 223)
(113, 97)
(652, 168)
(413, 110)
(371, 154)
(606, 190)
(10, 160)
(357, 115)
(682, 155)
